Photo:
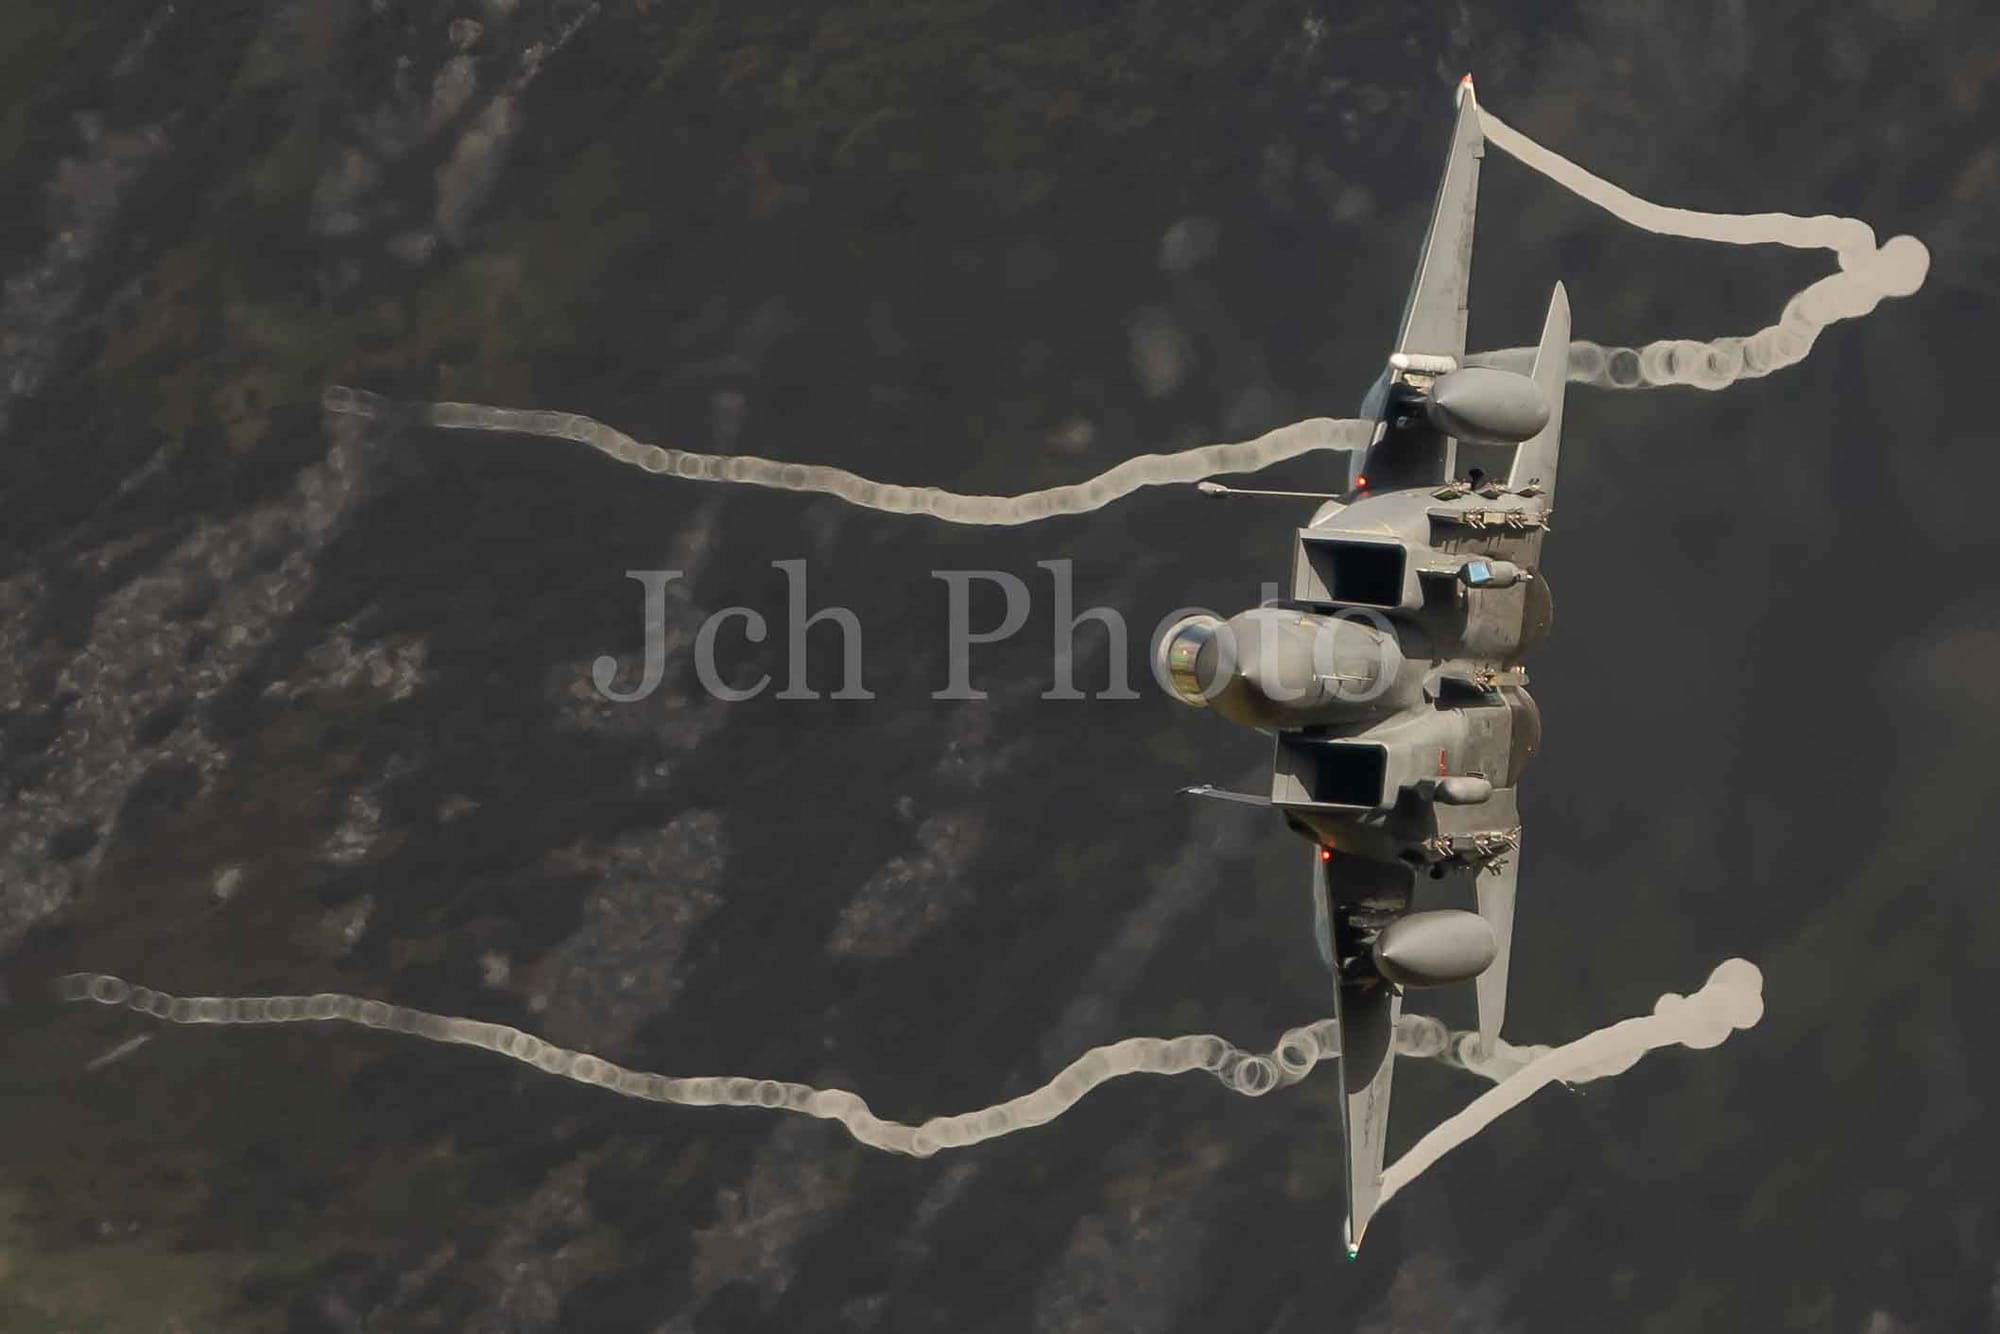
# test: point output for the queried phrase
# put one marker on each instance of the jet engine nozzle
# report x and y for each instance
(1487, 406)
(1434, 949)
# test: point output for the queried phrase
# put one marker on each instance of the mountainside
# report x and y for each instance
(299, 702)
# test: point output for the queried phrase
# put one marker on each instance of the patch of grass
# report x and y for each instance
(122, 1283)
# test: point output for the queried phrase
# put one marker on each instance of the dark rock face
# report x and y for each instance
(625, 961)
(298, 703)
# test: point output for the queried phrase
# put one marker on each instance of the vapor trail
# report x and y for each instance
(1732, 998)
(1253, 1075)
(1868, 273)
(1189, 465)
(1519, 1070)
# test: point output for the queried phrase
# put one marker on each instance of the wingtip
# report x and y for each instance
(1465, 90)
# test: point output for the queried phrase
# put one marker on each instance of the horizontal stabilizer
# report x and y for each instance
(1224, 794)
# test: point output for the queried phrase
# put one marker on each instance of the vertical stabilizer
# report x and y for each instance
(1538, 456)
(1494, 884)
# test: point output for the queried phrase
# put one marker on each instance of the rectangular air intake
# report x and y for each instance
(1368, 574)
(1348, 774)
(1330, 773)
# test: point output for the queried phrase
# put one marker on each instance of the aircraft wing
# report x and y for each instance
(1534, 464)
(1433, 324)
(1366, 1009)
(1434, 316)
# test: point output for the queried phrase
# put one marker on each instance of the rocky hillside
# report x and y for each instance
(298, 703)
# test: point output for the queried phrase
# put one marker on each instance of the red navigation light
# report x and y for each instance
(1361, 481)
(1326, 854)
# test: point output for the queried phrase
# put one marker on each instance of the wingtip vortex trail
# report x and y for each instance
(1867, 274)
(1731, 999)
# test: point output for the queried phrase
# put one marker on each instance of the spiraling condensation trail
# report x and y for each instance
(1295, 1054)
(1730, 1000)
(1189, 465)
(1868, 273)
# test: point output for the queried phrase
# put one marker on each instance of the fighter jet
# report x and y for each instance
(1391, 678)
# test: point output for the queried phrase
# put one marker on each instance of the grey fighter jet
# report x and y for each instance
(1391, 678)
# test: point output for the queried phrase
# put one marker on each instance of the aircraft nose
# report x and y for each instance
(1268, 667)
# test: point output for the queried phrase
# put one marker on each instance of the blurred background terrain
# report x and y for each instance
(297, 704)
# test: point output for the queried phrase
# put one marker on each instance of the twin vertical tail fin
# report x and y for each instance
(1536, 459)
(1494, 885)
(1535, 463)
